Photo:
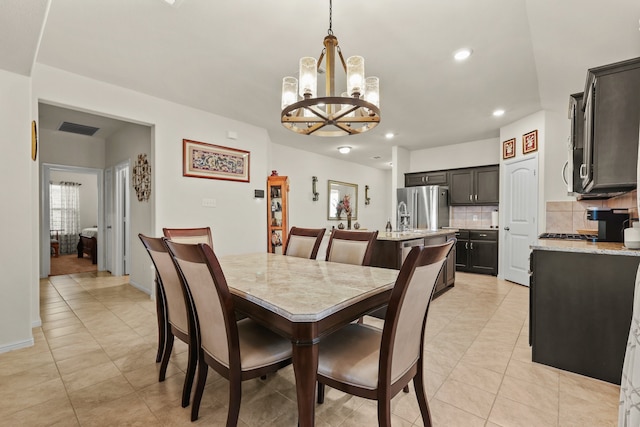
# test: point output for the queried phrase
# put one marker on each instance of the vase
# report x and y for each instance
(348, 221)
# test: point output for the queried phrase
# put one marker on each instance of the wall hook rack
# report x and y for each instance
(314, 181)
(367, 199)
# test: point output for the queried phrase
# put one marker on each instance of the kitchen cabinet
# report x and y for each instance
(576, 143)
(580, 311)
(389, 252)
(611, 118)
(474, 186)
(277, 213)
(426, 178)
(477, 251)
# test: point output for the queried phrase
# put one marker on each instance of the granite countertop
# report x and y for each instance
(478, 228)
(400, 236)
(582, 246)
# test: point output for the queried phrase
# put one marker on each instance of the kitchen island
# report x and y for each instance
(581, 300)
(391, 248)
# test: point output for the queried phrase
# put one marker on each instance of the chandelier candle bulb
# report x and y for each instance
(355, 76)
(372, 90)
(308, 77)
(289, 91)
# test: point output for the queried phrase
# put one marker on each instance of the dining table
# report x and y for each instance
(304, 300)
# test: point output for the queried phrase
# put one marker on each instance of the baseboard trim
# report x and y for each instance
(36, 323)
(140, 288)
(17, 345)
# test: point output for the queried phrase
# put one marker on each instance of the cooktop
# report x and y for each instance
(568, 236)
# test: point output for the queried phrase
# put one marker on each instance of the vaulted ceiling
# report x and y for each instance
(229, 56)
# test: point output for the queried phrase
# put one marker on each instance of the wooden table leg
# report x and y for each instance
(305, 365)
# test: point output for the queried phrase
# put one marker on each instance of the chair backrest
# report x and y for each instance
(189, 235)
(202, 277)
(351, 247)
(168, 278)
(408, 307)
(304, 242)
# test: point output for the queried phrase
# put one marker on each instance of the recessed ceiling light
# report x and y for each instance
(389, 135)
(174, 3)
(498, 113)
(462, 54)
(344, 150)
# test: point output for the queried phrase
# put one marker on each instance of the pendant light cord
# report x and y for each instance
(330, 32)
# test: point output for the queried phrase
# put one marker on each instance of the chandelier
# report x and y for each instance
(355, 111)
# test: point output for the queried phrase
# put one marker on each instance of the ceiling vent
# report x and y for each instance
(79, 129)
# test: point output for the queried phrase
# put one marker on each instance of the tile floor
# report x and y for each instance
(93, 364)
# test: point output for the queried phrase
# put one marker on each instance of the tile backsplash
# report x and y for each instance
(571, 216)
(471, 216)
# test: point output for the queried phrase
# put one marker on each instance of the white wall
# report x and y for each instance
(238, 222)
(125, 145)
(300, 166)
(88, 195)
(466, 154)
(64, 148)
(18, 219)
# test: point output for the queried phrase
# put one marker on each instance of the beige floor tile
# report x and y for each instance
(103, 334)
(469, 398)
(508, 413)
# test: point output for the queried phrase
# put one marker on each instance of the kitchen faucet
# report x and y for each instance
(403, 216)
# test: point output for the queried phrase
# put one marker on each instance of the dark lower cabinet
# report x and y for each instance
(477, 251)
(388, 254)
(580, 311)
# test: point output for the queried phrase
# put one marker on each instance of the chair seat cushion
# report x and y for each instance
(351, 355)
(260, 346)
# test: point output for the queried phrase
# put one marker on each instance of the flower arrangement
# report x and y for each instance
(344, 205)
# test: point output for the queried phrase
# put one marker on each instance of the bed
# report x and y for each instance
(88, 244)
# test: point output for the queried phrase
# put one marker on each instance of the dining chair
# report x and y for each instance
(376, 364)
(189, 235)
(304, 242)
(172, 313)
(237, 350)
(351, 247)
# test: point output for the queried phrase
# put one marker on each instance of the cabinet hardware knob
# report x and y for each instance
(483, 235)
(583, 170)
(476, 197)
(471, 245)
(470, 197)
(507, 229)
(466, 245)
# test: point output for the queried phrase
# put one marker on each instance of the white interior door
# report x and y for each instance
(520, 222)
(109, 213)
(121, 220)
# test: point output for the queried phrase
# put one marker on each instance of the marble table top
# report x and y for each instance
(300, 289)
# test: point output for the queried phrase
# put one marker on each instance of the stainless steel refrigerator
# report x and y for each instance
(425, 207)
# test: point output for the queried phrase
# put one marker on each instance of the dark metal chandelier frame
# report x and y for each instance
(331, 115)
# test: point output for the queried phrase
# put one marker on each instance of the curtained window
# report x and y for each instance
(64, 215)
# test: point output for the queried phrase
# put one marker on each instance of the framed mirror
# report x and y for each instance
(342, 197)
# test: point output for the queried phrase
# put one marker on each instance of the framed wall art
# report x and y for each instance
(509, 148)
(201, 160)
(530, 142)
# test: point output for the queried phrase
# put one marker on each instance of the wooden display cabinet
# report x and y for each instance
(277, 213)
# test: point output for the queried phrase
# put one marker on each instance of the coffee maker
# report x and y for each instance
(611, 223)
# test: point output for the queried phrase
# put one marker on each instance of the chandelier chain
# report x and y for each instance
(330, 32)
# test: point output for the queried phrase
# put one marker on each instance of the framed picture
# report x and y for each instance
(202, 160)
(343, 200)
(509, 148)
(530, 142)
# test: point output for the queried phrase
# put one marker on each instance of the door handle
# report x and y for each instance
(583, 170)
(108, 227)
(507, 229)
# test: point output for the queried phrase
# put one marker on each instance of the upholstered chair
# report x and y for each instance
(377, 364)
(189, 235)
(304, 242)
(351, 247)
(172, 312)
(237, 350)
